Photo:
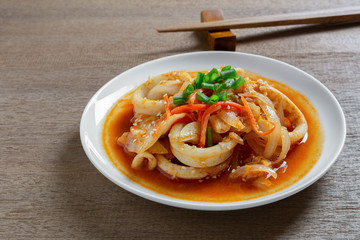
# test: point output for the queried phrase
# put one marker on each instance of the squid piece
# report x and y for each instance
(236, 138)
(252, 171)
(147, 98)
(164, 87)
(190, 133)
(141, 138)
(158, 148)
(230, 118)
(185, 172)
(274, 137)
(267, 107)
(292, 112)
(218, 124)
(199, 157)
(144, 160)
(285, 145)
(144, 105)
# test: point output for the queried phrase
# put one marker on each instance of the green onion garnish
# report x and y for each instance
(188, 90)
(202, 97)
(178, 100)
(206, 79)
(228, 83)
(209, 137)
(228, 74)
(222, 96)
(227, 79)
(213, 99)
(226, 68)
(238, 82)
(213, 71)
(214, 78)
(199, 79)
(218, 87)
(207, 86)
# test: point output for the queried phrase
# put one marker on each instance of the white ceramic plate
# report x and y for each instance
(330, 112)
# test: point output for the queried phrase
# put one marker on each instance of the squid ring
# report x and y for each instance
(142, 159)
(185, 172)
(199, 157)
(294, 114)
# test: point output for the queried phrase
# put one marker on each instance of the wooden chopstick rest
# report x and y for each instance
(218, 39)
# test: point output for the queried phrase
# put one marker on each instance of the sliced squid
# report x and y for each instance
(147, 98)
(255, 142)
(230, 118)
(270, 110)
(144, 160)
(190, 133)
(185, 172)
(292, 112)
(144, 105)
(164, 87)
(285, 144)
(140, 139)
(158, 148)
(199, 157)
(274, 137)
(252, 171)
(218, 124)
(236, 138)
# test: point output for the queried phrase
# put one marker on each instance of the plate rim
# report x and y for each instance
(211, 206)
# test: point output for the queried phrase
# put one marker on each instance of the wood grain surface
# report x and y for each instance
(54, 55)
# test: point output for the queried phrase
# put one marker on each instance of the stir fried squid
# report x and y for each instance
(194, 125)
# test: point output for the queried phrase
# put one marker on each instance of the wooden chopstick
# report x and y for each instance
(323, 16)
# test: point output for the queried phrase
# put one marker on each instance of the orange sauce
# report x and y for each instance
(300, 160)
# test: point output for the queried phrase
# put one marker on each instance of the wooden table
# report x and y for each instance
(54, 55)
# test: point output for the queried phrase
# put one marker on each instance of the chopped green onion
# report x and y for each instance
(207, 79)
(199, 80)
(228, 83)
(209, 137)
(226, 68)
(213, 99)
(222, 96)
(207, 86)
(228, 74)
(237, 83)
(218, 87)
(220, 80)
(214, 78)
(188, 90)
(213, 71)
(202, 97)
(178, 100)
